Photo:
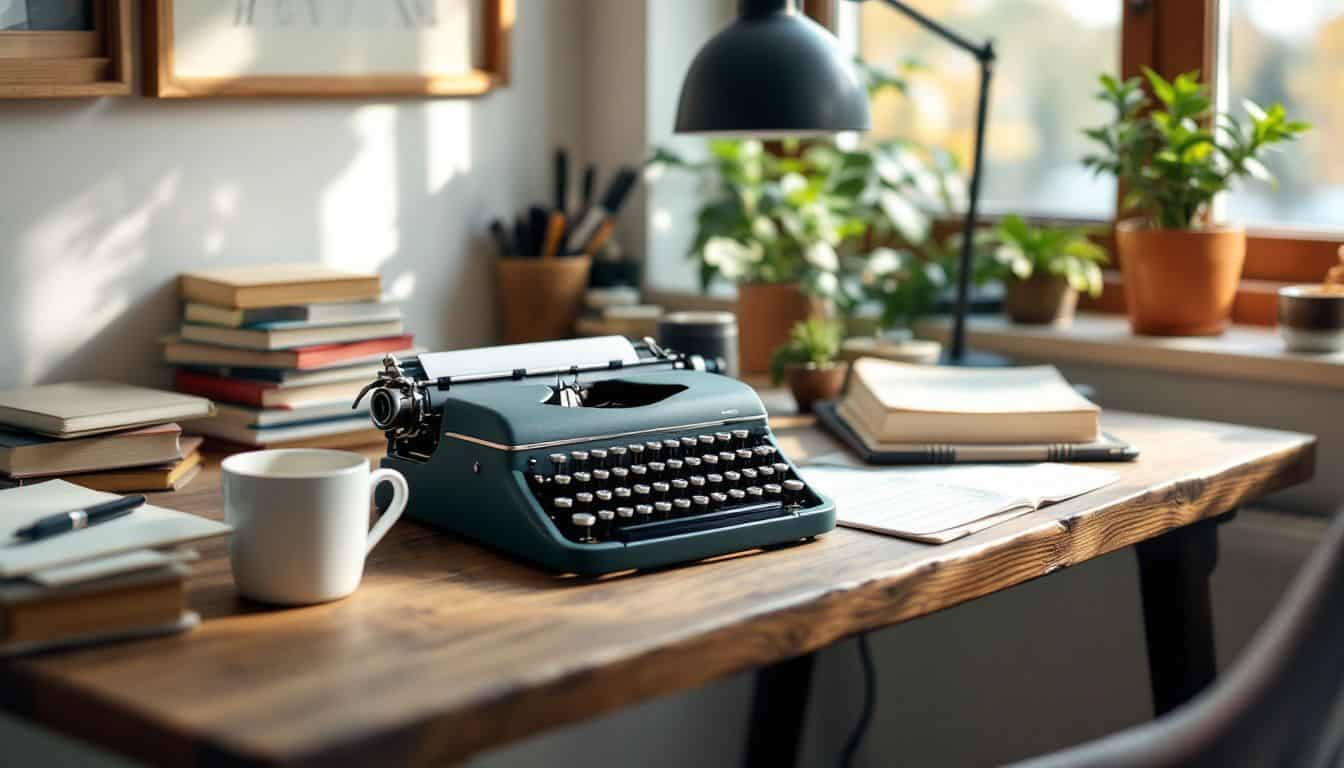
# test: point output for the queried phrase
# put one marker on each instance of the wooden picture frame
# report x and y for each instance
(162, 80)
(69, 64)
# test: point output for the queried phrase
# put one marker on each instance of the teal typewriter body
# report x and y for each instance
(594, 467)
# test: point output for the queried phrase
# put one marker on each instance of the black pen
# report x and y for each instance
(80, 518)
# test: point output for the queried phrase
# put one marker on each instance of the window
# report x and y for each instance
(1050, 53)
(1290, 52)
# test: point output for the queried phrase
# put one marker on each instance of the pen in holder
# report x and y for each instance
(541, 298)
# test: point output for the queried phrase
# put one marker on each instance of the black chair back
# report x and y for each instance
(1281, 703)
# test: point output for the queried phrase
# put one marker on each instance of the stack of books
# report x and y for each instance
(113, 580)
(101, 435)
(283, 350)
(902, 413)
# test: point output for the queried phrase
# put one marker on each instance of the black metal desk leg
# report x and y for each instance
(1174, 571)
(779, 713)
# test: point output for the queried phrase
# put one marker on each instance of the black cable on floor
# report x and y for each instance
(869, 701)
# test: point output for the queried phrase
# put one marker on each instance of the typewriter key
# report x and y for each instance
(582, 480)
(765, 451)
(621, 492)
(781, 468)
(674, 467)
(636, 452)
(732, 479)
(701, 503)
(697, 481)
(653, 448)
(723, 439)
(599, 458)
(604, 521)
(639, 471)
(773, 490)
(687, 446)
(642, 492)
(580, 459)
(602, 497)
(660, 490)
(657, 470)
(726, 458)
(671, 448)
(793, 492)
(766, 472)
(715, 481)
(737, 495)
(643, 512)
(710, 460)
(748, 475)
(681, 506)
(620, 474)
(601, 476)
(717, 500)
(706, 442)
(616, 454)
(741, 436)
(563, 506)
(583, 522)
(562, 483)
(583, 501)
(692, 463)
(744, 456)
(680, 484)
(663, 508)
(755, 493)
(558, 460)
(625, 514)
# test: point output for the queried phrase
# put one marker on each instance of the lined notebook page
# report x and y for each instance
(939, 504)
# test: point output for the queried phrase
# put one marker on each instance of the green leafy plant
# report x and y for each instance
(1020, 251)
(814, 342)
(1174, 158)
(815, 215)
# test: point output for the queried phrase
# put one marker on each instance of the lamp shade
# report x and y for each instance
(774, 72)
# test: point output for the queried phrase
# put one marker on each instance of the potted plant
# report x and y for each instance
(1043, 269)
(1181, 271)
(809, 362)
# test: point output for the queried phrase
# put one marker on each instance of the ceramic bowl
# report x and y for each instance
(1311, 318)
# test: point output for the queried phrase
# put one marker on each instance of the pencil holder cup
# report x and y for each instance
(541, 298)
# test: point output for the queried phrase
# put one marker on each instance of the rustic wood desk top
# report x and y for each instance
(448, 649)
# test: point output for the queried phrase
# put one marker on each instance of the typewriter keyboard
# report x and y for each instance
(648, 490)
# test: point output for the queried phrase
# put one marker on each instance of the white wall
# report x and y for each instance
(104, 201)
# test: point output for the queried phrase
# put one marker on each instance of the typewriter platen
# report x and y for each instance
(591, 456)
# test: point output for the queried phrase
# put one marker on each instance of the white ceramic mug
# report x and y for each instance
(301, 522)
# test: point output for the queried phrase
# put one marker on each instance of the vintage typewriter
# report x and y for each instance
(590, 456)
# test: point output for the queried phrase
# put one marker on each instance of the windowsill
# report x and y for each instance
(1246, 353)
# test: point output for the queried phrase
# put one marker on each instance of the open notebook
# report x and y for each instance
(944, 503)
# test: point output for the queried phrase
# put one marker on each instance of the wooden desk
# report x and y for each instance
(448, 649)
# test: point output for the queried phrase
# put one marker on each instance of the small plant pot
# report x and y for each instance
(810, 383)
(765, 313)
(1040, 300)
(1180, 282)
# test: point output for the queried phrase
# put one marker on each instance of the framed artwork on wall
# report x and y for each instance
(201, 48)
(64, 48)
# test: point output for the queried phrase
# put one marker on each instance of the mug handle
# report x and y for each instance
(401, 493)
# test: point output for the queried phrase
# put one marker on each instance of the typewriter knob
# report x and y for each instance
(391, 409)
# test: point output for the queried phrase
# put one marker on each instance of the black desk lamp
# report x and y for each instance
(775, 72)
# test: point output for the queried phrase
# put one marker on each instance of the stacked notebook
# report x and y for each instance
(283, 350)
(111, 581)
(101, 435)
(900, 413)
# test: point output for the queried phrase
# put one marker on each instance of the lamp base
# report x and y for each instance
(974, 359)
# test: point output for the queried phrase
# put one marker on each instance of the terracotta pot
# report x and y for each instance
(765, 313)
(1180, 282)
(541, 298)
(810, 384)
(1040, 300)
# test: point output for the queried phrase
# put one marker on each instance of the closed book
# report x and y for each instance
(304, 358)
(258, 394)
(26, 455)
(243, 434)
(905, 403)
(309, 315)
(246, 416)
(277, 285)
(33, 615)
(82, 408)
(288, 338)
(284, 378)
(168, 476)
(832, 416)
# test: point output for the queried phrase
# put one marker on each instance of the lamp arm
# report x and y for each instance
(983, 52)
